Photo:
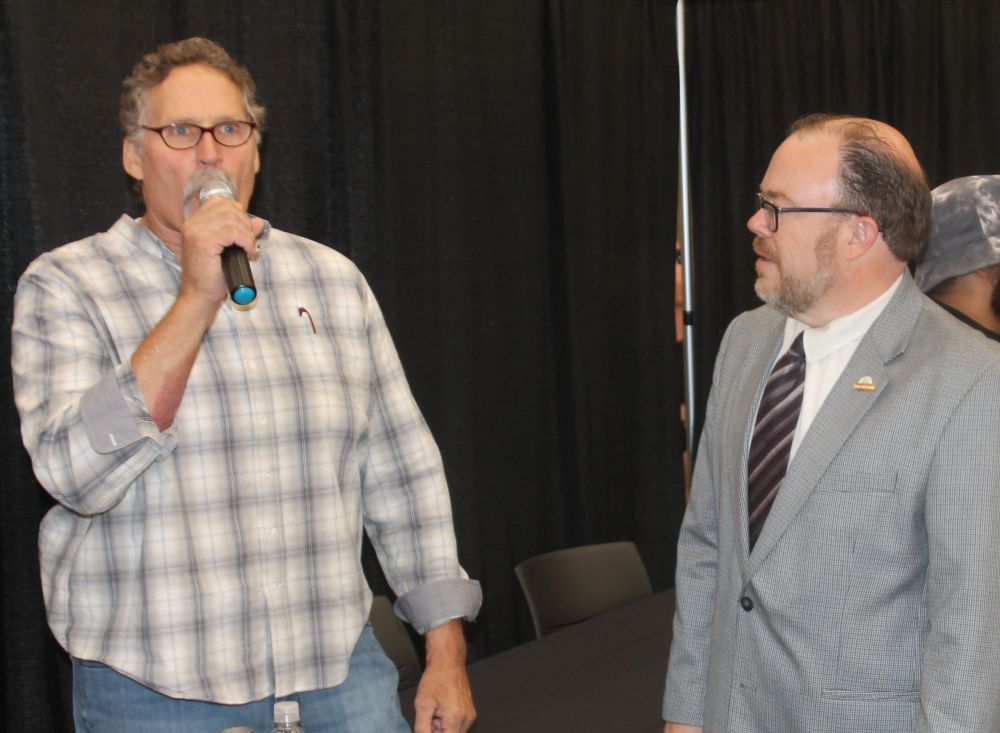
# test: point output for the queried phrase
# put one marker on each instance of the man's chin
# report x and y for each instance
(770, 296)
(763, 290)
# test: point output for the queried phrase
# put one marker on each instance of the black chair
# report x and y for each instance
(571, 585)
(395, 640)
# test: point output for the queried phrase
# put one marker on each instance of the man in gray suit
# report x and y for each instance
(839, 562)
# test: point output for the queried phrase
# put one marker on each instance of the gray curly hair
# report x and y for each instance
(153, 68)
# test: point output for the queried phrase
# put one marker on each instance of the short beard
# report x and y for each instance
(794, 297)
(194, 184)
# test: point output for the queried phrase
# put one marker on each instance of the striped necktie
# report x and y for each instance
(771, 443)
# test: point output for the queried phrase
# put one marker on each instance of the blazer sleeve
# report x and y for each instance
(961, 650)
(697, 564)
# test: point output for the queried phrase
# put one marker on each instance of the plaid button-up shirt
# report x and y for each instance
(220, 559)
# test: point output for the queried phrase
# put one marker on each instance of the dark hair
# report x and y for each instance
(944, 287)
(876, 180)
(153, 68)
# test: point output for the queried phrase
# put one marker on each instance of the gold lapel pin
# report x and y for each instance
(865, 384)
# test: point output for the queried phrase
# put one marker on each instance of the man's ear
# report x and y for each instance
(132, 159)
(991, 274)
(864, 233)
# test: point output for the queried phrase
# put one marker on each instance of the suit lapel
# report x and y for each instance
(842, 411)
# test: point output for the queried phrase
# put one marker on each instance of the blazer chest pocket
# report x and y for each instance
(858, 482)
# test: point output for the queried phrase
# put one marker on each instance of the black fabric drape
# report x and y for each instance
(505, 176)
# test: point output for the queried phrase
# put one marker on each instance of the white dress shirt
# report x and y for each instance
(828, 349)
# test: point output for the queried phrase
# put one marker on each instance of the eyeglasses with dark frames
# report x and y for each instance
(772, 212)
(184, 135)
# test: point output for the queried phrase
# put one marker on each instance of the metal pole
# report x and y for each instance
(687, 258)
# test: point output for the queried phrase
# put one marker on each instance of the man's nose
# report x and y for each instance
(757, 224)
(208, 148)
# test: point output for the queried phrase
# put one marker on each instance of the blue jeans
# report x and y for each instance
(366, 702)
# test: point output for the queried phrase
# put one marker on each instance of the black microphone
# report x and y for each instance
(235, 265)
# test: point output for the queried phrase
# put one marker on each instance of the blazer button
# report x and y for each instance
(747, 603)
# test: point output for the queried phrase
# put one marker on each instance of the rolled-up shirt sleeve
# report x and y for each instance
(407, 508)
(432, 604)
(83, 418)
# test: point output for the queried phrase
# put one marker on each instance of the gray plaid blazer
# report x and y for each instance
(871, 601)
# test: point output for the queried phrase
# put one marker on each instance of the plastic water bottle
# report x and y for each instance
(286, 717)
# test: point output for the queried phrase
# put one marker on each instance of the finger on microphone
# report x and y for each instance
(235, 264)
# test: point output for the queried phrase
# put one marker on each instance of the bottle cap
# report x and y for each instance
(286, 712)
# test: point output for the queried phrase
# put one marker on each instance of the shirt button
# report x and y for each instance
(746, 603)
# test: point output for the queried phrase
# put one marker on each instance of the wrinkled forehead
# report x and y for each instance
(194, 93)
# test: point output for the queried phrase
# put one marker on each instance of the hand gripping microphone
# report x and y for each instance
(235, 265)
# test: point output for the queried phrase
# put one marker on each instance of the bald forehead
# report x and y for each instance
(874, 132)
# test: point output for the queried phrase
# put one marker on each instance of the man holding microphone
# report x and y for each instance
(215, 464)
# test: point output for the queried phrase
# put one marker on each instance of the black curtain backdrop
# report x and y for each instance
(504, 173)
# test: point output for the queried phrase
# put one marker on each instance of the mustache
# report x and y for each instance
(762, 249)
(198, 180)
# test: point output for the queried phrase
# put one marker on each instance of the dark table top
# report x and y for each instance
(605, 674)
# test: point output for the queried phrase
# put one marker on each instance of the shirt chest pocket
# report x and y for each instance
(329, 376)
(333, 368)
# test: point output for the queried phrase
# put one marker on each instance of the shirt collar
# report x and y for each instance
(133, 230)
(822, 341)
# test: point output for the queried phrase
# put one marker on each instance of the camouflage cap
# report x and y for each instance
(965, 230)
